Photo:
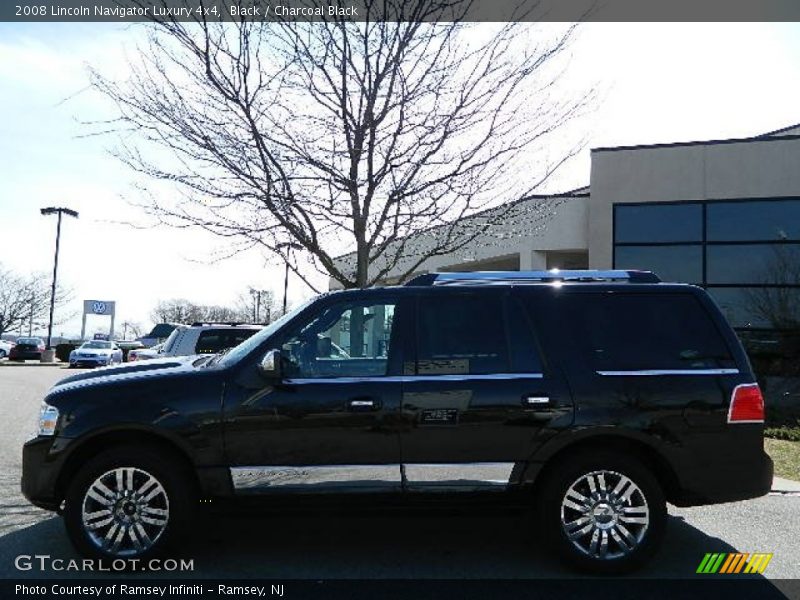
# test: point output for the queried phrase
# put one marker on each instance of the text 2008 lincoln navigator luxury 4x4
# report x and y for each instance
(593, 396)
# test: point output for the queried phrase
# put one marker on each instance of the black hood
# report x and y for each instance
(128, 373)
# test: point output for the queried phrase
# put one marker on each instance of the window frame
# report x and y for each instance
(396, 345)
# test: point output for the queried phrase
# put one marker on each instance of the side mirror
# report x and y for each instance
(270, 365)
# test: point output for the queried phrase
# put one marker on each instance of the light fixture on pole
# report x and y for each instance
(52, 210)
(289, 247)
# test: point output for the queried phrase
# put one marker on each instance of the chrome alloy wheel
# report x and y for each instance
(605, 515)
(125, 511)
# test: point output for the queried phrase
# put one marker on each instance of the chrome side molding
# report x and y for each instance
(372, 478)
(660, 372)
(413, 378)
(460, 477)
(328, 478)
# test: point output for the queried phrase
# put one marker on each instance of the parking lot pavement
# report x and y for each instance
(488, 544)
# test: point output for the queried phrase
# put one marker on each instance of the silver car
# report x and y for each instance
(95, 353)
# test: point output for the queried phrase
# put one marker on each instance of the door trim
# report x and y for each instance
(310, 479)
(457, 476)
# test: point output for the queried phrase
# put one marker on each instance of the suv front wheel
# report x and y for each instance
(128, 503)
(604, 511)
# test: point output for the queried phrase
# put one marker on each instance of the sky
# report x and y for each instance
(656, 82)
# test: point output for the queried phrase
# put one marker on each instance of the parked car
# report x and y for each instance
(206, 338)
(591, 398)
(95, 353)
(158, 334)
(5, 348)
(145, 353)
(27, 348)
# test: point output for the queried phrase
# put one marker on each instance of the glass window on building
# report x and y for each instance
(745, 252)
(758, 220)
(657, 222)
(682, 263)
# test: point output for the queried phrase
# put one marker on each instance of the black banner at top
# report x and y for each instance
(400, 10)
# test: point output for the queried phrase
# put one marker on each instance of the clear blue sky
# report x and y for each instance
(658, 82)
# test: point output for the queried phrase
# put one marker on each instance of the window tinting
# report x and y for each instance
(658, 223)
(671, 263)
(524, 351)
(644, 331)
(461, 334)
(344, 340)
(761, 220)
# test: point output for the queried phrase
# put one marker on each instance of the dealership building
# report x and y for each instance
(724, 214)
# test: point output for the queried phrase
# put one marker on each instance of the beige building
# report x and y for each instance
(724, 214)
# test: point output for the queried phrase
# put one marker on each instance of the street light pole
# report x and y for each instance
(59, 211)
(289, 247)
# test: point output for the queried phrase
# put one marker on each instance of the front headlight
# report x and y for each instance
(48, 418)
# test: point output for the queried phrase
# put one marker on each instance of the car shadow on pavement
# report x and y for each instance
(347, 546)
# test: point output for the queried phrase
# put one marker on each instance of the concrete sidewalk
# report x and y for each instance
(781, 485)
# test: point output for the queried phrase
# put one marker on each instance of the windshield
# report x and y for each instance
(170, 341)
(33, 341)
(251, 343)
(97, 345)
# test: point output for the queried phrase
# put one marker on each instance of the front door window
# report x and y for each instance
(345, 340)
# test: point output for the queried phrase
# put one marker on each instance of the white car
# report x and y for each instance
(145, 353)
(206, 338)
(5, 348)
(95, 353)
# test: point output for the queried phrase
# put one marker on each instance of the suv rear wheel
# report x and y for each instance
(128, 503)
(605, 512)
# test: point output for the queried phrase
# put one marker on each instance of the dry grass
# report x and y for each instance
(786, 456)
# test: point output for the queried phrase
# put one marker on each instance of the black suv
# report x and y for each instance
(594, 396)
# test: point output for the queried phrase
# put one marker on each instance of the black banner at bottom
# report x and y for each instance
(596, 588)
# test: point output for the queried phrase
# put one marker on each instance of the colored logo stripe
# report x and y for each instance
(722, 562)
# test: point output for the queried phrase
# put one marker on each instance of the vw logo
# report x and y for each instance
(99, 308)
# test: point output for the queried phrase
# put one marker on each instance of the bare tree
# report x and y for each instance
(257, 306)
(25, 300)
(346, 136)
(180, 310)
(134, 328)
(778, 304)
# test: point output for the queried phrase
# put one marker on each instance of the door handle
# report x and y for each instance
(535, 400)
(363, 404)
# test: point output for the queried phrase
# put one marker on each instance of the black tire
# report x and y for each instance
(179, 499)
(603, 518)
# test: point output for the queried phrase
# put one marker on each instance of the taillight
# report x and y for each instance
(747, 404)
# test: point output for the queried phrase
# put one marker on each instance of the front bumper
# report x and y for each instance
(40, 470)
(89, 361)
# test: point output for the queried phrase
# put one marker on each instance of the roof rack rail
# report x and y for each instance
(525, 277)
(230, 323)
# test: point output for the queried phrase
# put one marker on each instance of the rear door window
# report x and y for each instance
(621, 332)
(461, 334)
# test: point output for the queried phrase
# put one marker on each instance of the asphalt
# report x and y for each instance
(401, 545)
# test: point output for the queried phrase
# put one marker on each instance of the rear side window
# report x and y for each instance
(212, 341)
(461, 334)
(621, 332)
